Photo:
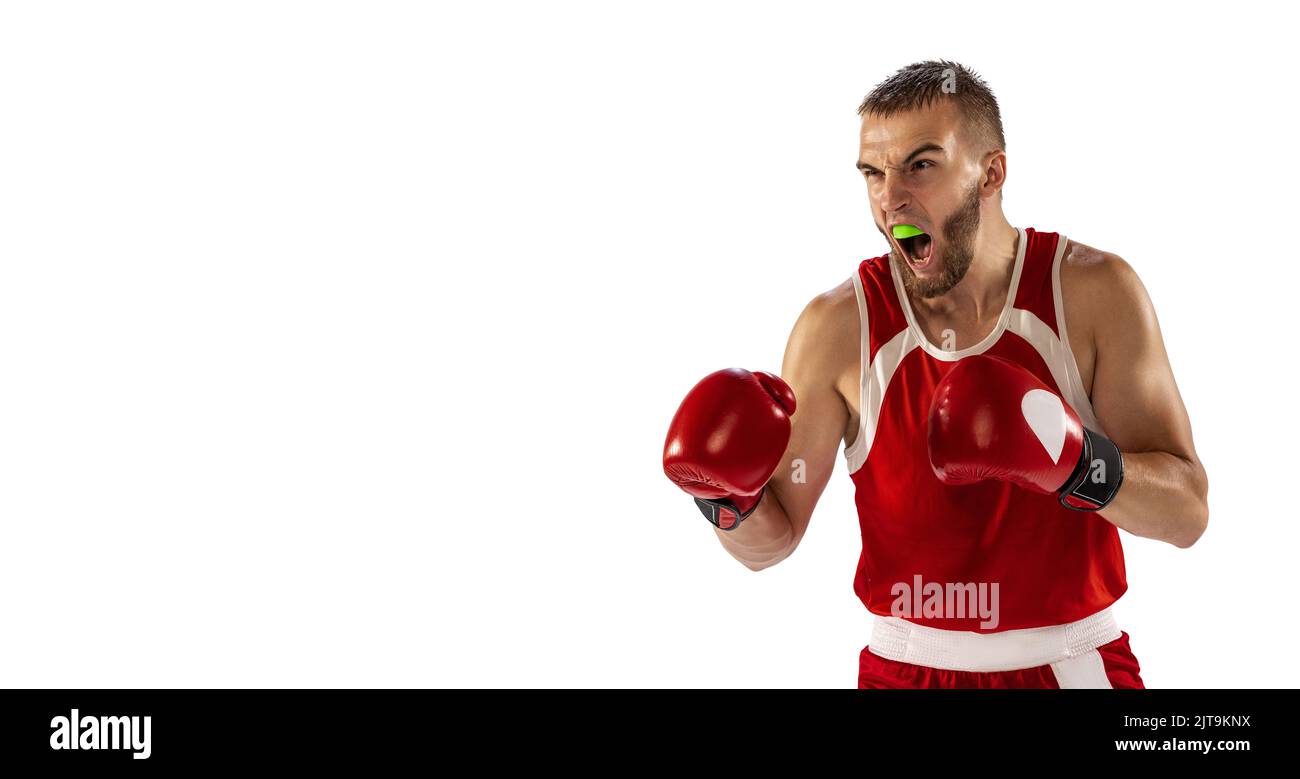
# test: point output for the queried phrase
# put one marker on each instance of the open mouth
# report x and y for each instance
(916, 245)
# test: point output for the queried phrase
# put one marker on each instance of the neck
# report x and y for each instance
(987, 282)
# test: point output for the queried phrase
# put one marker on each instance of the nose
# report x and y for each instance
(893, 194)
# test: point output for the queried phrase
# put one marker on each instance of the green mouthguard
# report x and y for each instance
(906, 231)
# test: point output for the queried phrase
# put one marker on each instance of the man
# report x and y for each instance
(1005, 402)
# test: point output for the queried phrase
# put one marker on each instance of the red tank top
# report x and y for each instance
(1051, 565)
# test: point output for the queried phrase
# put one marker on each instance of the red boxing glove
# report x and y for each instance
(992, 419)
(726, 441)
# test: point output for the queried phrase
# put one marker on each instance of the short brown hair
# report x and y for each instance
(922, 83)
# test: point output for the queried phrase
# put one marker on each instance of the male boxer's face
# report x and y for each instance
(921, 170)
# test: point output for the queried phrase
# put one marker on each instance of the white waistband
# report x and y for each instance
(958, 650)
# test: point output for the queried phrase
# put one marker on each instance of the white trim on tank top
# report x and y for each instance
(875, 376)
(987, 342)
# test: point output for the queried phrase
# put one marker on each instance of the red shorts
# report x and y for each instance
(875, 672)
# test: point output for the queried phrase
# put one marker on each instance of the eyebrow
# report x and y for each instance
(922, 149)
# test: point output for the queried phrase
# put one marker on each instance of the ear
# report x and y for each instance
(995, 173)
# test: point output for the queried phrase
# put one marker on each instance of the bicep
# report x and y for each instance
(811, 367)
(1133, 391)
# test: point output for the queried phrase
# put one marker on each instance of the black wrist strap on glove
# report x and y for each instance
(723, 513)
(1097, 477)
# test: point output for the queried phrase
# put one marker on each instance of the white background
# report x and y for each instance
(338, 341)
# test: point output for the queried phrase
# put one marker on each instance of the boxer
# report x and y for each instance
(1005, 404)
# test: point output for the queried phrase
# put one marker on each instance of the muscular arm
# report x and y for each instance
(822, 346)
(1164, 495)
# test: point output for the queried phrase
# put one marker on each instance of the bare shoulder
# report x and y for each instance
(1101, 290)
(1092, 271)
(831, 317)
(827, 332)
(835, 306)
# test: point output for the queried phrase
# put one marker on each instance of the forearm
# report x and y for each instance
(764, 539)
(1163, 497)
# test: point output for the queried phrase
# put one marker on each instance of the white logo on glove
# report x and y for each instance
(1045, 414)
